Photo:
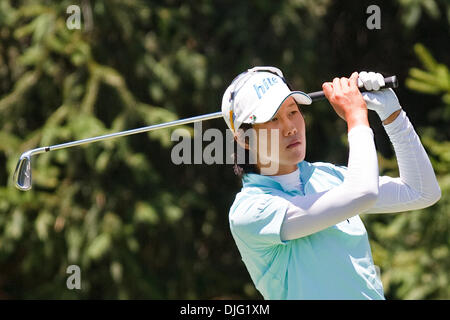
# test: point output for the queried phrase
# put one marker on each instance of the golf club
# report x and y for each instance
(22, 174)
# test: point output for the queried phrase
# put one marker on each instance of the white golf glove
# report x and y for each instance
(383, 102)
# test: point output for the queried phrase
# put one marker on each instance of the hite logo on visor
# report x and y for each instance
(264, 86)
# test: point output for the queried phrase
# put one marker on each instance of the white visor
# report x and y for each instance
(256, 97)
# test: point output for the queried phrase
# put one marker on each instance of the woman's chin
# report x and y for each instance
(296, 156)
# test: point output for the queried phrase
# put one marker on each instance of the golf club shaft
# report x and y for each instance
(133, 131)
(391, 82)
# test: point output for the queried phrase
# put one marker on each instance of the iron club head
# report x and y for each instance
(22, 174)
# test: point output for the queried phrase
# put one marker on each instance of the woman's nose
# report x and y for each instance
(289, 128)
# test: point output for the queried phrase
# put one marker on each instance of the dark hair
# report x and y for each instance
(246, 167)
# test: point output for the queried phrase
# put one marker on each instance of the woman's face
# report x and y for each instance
(280, 153)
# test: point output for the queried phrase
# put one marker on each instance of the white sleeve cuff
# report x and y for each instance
(360, 129)
(397, 124)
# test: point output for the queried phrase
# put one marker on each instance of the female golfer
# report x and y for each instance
(296, 224)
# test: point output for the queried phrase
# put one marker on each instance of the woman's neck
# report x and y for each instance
(271, 170)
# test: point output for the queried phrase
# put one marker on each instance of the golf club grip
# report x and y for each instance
(390, 82)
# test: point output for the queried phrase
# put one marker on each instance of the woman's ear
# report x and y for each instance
(240, 142)
(241, 139)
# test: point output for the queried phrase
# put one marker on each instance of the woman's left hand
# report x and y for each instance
(384, 102)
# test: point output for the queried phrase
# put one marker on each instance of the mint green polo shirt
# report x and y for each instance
(335, 263)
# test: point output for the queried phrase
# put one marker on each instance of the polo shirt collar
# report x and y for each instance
(262, 181)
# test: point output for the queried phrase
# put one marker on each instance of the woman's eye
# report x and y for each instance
(294, 112)
(274, 119)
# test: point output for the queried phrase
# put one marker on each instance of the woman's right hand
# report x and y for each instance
(346, 99)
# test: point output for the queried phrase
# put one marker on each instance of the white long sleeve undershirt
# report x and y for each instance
(417, 186)
(362, 190)
(314, 212)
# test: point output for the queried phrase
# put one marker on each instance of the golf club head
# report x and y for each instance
(22, 174)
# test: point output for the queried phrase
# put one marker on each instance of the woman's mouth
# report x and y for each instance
(293, 144)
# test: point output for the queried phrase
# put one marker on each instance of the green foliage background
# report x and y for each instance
(138, 225)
